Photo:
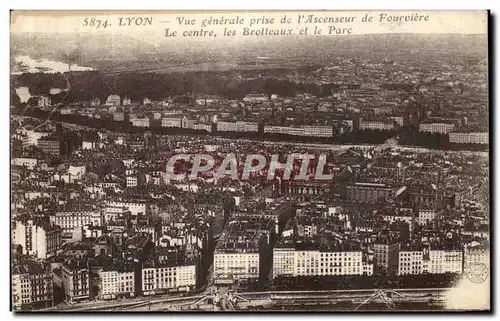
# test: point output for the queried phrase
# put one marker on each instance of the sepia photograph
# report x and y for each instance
(250, 161)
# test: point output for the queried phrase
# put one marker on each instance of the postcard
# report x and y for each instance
(225, 161)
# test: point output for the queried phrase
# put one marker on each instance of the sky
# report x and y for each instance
(457, 22)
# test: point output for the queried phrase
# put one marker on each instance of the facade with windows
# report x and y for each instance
(32, 286)
(289, 262)
(75, 280)
(410, 262)
(115, 283)
(430, 261)
(470, 138)
(50, 146)
(163, 279)
(238, 126)
(68, 221)
(134, 207)
(442, 128)
(239, 265)
(41, 240)
(386, 255)
(377, 124)
(171, 122)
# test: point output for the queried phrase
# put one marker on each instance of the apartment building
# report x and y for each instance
(32, 286)
(238, 126)
(38, 239)
(290, 262)
(437, 261)
(75, 280)
(163, 278)
(116, 281)
(134, 207)
(386, 254)
(441, 128)
(239, 265)
(469, 138)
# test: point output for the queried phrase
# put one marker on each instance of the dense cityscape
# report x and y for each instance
(98, 224)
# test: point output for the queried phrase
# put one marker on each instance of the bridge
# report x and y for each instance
(226, 300)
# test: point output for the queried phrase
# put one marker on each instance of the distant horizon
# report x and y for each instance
(125, 46)
(148, 43)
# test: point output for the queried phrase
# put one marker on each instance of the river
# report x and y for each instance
(26, 64)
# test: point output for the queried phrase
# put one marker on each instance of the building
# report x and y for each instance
(426, 216)
(171, 122)
(386, 255)
(290, 262)
(239, 265)
(140, 122)
(66, 111)
(77, 172)
(73, 174)
(118, 116)
(398, 217)
(96, 102)
(284, 130)
(112, 213)
(255, 98)
(68, 221)
(31, 137)
(29, 163)
(132, 181)
(126, 101)
(89, 145)
(50, 145)
(445, 261)
(165, 278)
(113, 100)
(458, 121)
(398, 119)
(420, 196)
(437, 261)
(304, 130)
(298, 188)
(116, 281)
(318, 131)
(38, 239)
(201, 126)
(239, 126)
(32, 286)
(469, 138)
(134, 207)
(442, 128)
(243, 250)
(476, 254)
(188, 123)
(410, 262)
(377, 124)
(369, 192)
(207, 100)
(75, 280)
(104, 245)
